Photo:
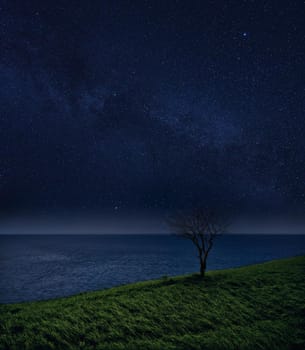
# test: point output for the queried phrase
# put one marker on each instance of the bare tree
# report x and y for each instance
(202, 227)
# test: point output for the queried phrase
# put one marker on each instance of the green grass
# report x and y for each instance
(256, 307)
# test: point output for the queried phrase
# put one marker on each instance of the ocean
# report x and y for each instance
(38, 267)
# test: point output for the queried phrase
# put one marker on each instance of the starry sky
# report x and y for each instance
(152, 106)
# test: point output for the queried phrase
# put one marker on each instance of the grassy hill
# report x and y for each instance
(255, 307)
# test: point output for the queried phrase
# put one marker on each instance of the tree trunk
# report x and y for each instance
(203, 265)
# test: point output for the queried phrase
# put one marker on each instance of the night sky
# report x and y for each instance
(152, 106)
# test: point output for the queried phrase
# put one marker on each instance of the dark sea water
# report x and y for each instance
(43, 267)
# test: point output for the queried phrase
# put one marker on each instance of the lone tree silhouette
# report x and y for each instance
(202, 227)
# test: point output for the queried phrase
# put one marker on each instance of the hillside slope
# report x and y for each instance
(256, 307)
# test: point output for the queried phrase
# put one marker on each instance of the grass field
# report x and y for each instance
(256, 307)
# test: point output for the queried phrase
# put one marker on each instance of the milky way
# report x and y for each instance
(157, 105)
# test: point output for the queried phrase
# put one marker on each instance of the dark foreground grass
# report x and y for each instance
(256, 307)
